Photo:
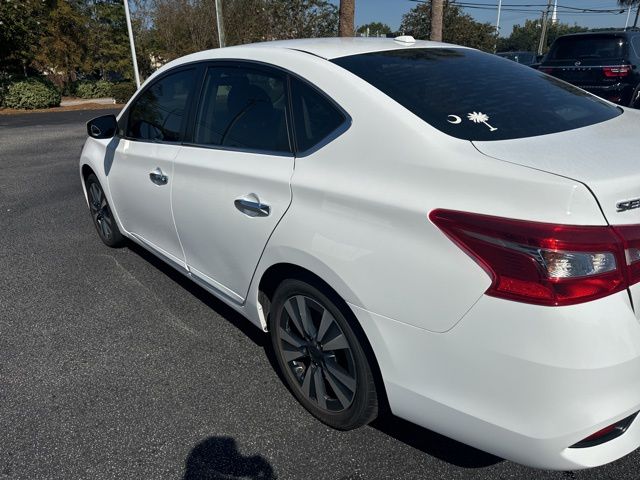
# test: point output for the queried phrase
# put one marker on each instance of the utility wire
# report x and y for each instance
(533, 7)
(567, 7)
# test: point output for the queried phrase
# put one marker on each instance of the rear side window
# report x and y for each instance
(476, 96)
(243, 108)
(159, 112)
(588, 47)
(315, 117)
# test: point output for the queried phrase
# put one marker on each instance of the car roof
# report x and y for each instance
(326, 48)
(615, 33)
(336, 47)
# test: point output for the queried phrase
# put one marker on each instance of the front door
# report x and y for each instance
(141, 174)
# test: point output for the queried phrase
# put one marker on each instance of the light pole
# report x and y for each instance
(220, 23)
(133, 46)
(626, 24)
(495, 47)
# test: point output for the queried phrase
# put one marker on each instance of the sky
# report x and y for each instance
(391, 11)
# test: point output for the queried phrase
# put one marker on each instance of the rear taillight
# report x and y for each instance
(548, 70)
(630, 238)
(543, 263)
(617, 71)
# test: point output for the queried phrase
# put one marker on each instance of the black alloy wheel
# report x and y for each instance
(321, 357)
(101, 214)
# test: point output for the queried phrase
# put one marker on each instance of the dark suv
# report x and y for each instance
(603, 63)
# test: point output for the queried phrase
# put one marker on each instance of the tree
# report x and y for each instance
(64, 38)
(179, 27)
(108, 45)
(301, 19)
(526, 37)
(62, 46)
(458, 27)
(347, 12)
(437, 13)
(631, 3)
(375, 28)
(21, 24)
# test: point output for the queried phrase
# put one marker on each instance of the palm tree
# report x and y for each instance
(347, 11)
(437, 14)
(631, 3)
(479, 117)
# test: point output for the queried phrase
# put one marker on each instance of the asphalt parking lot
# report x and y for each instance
(112, 365)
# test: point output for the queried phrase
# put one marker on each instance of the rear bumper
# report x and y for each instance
(619, 93)
(519, 381)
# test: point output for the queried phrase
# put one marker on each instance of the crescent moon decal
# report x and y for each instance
(455, 119)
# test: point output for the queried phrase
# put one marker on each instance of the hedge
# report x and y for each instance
(88, 89)
(122, 92)
(31, 93)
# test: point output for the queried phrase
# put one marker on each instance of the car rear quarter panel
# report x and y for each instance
(359, 215)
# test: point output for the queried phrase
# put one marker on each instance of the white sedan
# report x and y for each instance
(416, 224)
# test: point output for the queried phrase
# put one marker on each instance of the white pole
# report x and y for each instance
(495, 48)
(220, 23)
(626, 24)
(133, 46)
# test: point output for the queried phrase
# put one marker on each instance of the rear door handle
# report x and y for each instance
(158, 177)
(251, 206)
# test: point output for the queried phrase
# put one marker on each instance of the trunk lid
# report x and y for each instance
(605, 157)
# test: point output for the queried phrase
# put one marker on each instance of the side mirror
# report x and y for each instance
(105, 126)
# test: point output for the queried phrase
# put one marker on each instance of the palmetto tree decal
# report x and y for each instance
(479, 117)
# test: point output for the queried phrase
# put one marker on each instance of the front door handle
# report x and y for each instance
(251, 206)
(158, 177)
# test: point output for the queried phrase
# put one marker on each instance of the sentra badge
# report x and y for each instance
(628, 205)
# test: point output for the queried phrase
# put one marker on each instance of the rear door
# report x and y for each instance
(231, 179)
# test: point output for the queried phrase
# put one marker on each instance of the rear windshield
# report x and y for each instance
(588, 47)
(477, 96)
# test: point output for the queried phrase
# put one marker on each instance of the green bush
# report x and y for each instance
(31, 93)
(102, 89)
(90, 89)
(85, 89)
(122, 92)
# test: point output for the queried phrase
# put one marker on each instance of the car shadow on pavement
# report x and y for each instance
(218, 458)
(427, 441)
(434, 444)
(234, 318)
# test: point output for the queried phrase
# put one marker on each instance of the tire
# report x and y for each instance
(321, 357)
(101, 214)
